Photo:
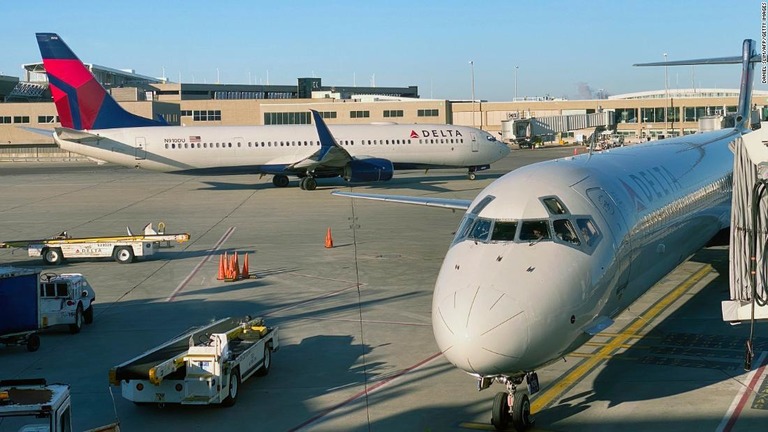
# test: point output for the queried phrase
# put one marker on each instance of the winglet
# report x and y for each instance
(324, 134)
(81, 102)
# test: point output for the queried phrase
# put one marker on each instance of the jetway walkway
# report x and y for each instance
(749, 230)
(516, 129)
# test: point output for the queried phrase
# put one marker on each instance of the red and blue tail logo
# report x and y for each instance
(82, 103)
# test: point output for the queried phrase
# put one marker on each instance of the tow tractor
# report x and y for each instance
(124, 249)
(66, 299)
(203, 366)
(31, 405)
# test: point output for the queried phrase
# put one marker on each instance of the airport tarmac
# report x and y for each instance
(357, 351)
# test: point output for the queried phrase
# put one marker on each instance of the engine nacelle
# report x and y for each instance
(368, 170)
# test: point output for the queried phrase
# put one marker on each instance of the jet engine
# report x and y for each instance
(368, 170)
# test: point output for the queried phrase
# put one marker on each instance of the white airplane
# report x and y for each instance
(533, 272)
(94, 125)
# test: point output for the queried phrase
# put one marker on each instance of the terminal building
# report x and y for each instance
(636, 116)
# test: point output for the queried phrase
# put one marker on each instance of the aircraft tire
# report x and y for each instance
(280, 180)
(500, 415)
(521, 413)
(310, 184)
(471, 175)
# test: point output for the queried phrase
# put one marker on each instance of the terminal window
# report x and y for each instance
(5, 119)
(206, 115)
(393, 113)
(359, 114)
(21, 119)
(427, 113)
(186, 113)
(47, 119)
(280, 118)
(328, 114)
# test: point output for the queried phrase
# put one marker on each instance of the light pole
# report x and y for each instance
(472, 69)
(666, 99)
(516, 67)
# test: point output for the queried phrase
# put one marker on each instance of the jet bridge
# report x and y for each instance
(749, 230)
(515, 130)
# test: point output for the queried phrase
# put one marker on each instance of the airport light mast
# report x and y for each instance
(472, 69)
(666, 99)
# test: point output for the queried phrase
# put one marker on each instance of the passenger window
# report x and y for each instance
(534, 231)
(504, 231)
(565, 232)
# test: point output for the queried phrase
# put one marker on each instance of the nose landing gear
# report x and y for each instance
(511, 407)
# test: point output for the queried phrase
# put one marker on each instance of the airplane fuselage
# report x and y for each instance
(508, 301)
(269, 149)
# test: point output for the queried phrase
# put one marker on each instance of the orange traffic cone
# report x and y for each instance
(220, 276)
(236, 266)
(575, 151)
(328, 239)
(246, 273)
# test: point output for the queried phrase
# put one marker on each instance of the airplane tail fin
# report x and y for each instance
(81, 102)
(747, 59)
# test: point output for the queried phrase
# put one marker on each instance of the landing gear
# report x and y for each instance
(308, 183)
(511, 407)
(471, 174)
(280, 180)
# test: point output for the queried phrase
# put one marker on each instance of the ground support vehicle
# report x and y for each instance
(31, 405)
(66, 299)
(124, 249)
(20, 313)
(203, 366)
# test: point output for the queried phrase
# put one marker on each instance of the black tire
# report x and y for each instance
(500, 415)
(264, 369)
(33, 342)
(75, 327)
(234, 388)
(88, 315)
(52, 256)
(310, 184)
(280, 180)
(521, 413)
(472, 175)
(124, 254)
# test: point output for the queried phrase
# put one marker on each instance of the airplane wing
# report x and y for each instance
(329, 155)
(447, 203)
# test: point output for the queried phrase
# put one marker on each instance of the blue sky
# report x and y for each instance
(561, 48)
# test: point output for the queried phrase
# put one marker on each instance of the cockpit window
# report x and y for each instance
(480, 230)
(565, 232)
(482, 204)
(490, 138)
(588, 230)
(504, 231)
(534, 230)
(554, 206)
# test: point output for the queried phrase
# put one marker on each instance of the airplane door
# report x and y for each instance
(474, 142)
(141, 148)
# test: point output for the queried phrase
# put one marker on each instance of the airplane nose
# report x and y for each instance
(480, 329)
